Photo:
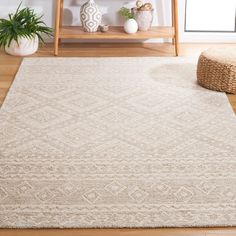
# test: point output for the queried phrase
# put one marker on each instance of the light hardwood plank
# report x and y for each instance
(103, 232)
(5, 84)
(221, 234)
(8, 69)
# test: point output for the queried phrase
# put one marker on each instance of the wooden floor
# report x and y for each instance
(8, 68)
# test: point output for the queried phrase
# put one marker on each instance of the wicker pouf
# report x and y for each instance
(217, 69)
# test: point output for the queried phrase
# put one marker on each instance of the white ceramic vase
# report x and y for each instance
(24, 47)
(131, 26)
(90, 16)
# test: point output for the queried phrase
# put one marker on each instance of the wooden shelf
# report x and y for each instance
(115, 32)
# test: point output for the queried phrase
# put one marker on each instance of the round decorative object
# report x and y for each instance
(131, 26)
(104, 28)
(24, 47)
(147, 6)
(144, 19)
(139, 4)
(217, 69)
(90, 16)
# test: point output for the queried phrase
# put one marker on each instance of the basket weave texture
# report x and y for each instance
(217, 69)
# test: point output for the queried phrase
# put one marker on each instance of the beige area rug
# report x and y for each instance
(115, 142)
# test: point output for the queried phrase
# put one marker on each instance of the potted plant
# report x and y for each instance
(21, 33)
(130, 25)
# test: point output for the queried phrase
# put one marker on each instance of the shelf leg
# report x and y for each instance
(176, 27)
(173, 18)
(57, 27)
(61, 17)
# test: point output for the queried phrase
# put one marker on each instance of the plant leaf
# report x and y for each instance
(23, 23)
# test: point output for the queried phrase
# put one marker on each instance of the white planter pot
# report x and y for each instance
(144, 19)
(24, 47)
(131, 26)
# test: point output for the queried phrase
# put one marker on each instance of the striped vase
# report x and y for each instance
(90, 16)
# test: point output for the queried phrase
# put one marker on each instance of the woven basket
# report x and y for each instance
(217, 70)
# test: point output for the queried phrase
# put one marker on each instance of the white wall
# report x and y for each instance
(109, 9)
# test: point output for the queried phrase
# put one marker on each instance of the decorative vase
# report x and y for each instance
(90, 16)
(131, 26)
(144, 19)
(24, 47)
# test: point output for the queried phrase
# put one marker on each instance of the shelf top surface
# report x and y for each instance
(116, 32)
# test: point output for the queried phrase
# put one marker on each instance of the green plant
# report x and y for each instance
(23, 23)
(126, 13)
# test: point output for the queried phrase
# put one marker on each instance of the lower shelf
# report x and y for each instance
(115, 32)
